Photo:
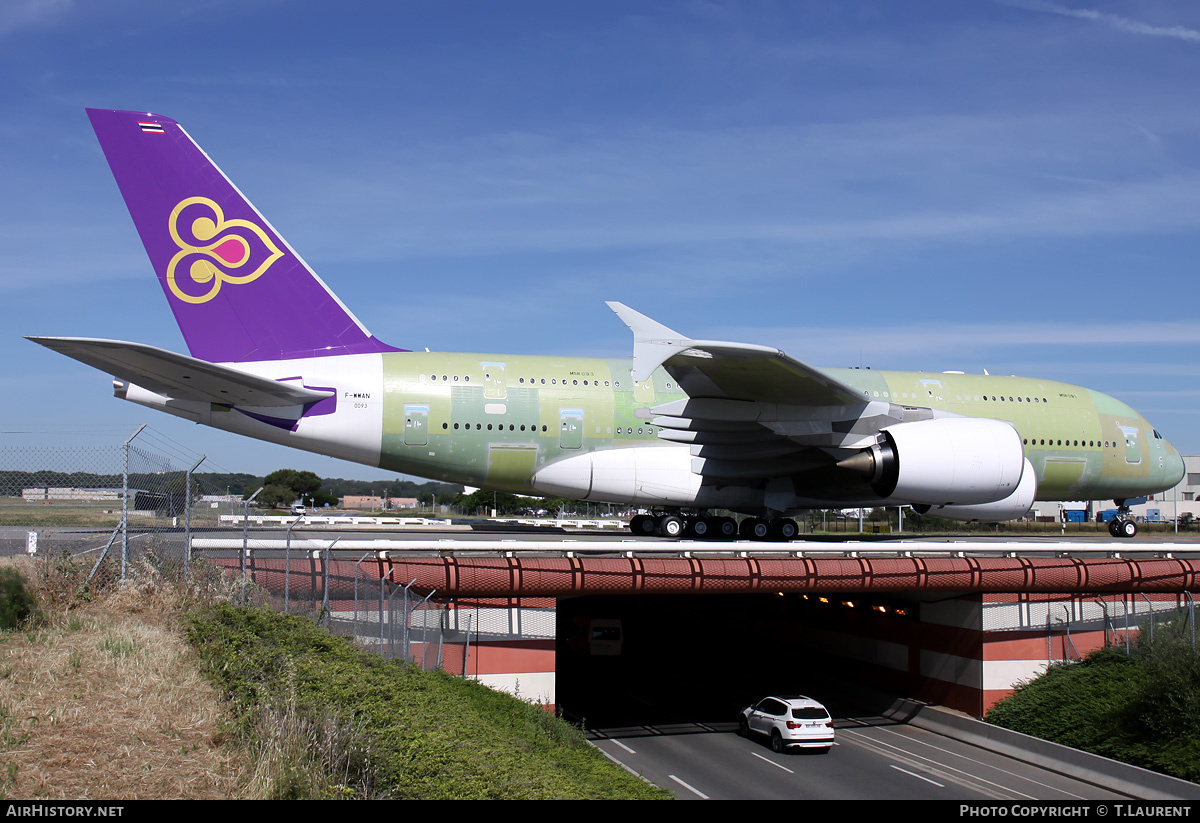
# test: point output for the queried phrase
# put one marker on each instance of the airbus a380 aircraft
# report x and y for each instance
(685, 427)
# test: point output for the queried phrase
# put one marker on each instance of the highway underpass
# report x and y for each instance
(627, 630)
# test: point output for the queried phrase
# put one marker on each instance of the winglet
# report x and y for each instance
(653, 343)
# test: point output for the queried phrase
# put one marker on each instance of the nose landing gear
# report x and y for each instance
(1123, 525)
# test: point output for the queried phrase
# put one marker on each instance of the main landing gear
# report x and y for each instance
(1123, 525)
(704, 527)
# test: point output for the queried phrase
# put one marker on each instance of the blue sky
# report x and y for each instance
(968, 184)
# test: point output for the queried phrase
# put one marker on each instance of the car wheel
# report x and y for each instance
(777, 742)
(743, 727)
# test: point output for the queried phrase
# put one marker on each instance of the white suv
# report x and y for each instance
(789, 721)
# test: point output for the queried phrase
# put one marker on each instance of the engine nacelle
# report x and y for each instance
(950, 461)
(1010, 508)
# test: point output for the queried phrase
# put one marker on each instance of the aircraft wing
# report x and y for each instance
(179, 376)
(738, 371)
(754, 415)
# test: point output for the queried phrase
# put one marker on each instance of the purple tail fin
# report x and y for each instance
(238, 290)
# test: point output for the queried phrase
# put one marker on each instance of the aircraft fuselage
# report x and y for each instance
(498, 421)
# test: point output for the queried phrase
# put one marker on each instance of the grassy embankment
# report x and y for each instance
(1141, 708)
(157, 691)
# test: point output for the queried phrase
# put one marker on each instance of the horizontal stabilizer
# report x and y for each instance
(179, 376)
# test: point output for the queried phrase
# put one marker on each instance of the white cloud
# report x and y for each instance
(1113, 21)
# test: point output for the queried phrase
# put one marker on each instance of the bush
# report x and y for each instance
(1141, 708)
(17, 605)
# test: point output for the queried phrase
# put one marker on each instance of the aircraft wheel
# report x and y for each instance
(1114, 527)
(785, 529)
(1128, 528)
(642, 524)
(760, 529)
(699, 527)
(670, 525)
(726, 528)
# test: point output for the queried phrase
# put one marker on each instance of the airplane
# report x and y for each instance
(683, 429)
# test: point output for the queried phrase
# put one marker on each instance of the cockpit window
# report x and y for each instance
(1157, 436)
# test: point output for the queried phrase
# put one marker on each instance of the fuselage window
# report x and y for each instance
(445, 425)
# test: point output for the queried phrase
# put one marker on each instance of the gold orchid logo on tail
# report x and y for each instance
(214, 250)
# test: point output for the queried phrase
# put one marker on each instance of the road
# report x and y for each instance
(874, 759)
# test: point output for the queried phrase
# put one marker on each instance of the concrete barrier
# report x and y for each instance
(1100, 771)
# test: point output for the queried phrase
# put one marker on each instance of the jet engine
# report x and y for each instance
(952, 461)
(1010, 508)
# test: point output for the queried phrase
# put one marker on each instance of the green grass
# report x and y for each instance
(386, 729)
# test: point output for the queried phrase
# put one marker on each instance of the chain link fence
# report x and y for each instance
(121, 508)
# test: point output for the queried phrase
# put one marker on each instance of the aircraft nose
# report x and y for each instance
(1173, 468)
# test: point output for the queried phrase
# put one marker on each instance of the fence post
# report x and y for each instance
(125, 500)
(467, 645)
(187, 517)
(325, 578)
(287, 565)
(246, 539)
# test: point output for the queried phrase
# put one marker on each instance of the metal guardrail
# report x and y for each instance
(739, 548)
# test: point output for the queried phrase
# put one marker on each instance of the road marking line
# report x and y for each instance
(967, 780)
(622, 745)
(772, 762)
(1012, 774)
(696, 792)
(919, 777)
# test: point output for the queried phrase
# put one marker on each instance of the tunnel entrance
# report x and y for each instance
(627, 660)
